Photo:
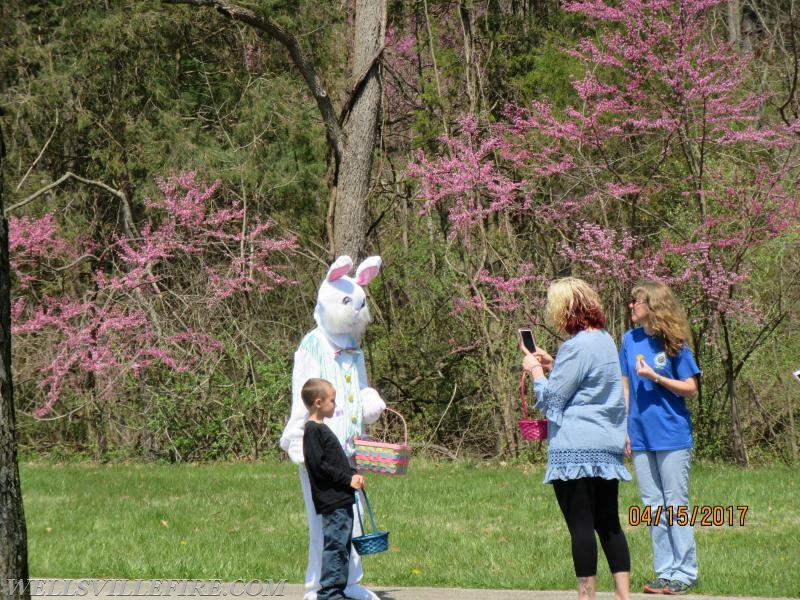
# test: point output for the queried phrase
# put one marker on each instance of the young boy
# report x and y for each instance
(333, 482)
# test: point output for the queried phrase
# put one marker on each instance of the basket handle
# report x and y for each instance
(369, 509)
(522, 394)
(405, 427)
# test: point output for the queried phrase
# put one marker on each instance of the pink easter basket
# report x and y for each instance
(531, 429)
(383, 457)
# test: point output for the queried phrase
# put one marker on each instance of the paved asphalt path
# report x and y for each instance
(98, 591)
(295, 592)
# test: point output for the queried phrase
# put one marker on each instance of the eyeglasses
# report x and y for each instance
(636, 303)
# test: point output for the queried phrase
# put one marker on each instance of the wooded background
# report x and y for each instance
(179, 173)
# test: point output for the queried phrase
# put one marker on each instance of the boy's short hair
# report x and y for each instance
(315, 388)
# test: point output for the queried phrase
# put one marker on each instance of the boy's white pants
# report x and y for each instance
(315, 542)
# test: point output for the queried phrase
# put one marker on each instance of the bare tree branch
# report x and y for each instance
(273, 30)
(38, 158)
(358, 84)
(130, 227)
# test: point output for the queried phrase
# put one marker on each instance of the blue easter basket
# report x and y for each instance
(370, 543)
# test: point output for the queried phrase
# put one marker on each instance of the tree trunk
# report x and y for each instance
(360, 128)
(791, 432)
(734, 23)
(352, 136)
(13, 535)
(739, 447)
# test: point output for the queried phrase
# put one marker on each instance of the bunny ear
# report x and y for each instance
(368, 270)
(340, 267)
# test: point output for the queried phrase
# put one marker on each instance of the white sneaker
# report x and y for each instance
(359, 592)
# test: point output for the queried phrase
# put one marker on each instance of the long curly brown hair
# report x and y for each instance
(667, 319)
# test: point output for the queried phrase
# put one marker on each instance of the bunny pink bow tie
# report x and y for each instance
(338, 352)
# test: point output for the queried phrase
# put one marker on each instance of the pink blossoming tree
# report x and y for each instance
(670, 168)
(152, 298)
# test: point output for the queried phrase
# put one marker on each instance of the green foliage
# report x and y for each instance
(125, 92)
(194, 417)
(531, 62)
(239, 420)
(423, 365)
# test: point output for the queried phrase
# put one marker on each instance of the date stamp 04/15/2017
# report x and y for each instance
(700, 515)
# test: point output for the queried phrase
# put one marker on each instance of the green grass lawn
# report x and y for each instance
(451, 524)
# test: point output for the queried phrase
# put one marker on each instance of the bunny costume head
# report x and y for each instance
(341, 310)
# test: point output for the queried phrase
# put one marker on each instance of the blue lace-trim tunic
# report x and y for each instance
(585, 408)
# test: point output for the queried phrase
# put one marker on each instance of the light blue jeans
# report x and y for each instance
(663, 478)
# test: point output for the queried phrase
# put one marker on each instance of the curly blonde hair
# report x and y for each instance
(572, 306)
(667, 319)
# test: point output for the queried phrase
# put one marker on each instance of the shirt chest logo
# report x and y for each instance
(660, 360)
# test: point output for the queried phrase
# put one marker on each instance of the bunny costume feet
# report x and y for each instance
(355, 592)
(359, 592)
(332, 351)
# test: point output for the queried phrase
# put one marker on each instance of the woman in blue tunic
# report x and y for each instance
(585, 408)
(658, 374)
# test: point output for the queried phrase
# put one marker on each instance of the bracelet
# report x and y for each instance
(658, 379)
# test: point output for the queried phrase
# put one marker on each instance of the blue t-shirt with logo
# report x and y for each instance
(657, 418)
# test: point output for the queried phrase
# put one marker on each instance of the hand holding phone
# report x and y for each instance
(526, 336)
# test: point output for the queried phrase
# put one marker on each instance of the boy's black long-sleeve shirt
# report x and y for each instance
(329, 471)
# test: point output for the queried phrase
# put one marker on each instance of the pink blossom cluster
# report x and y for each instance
(668, 169)
(466, 177)
(125, 322)
(34, 243)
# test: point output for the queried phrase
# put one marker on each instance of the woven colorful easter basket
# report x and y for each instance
(383, 457)
(531, 429)
(370, 543)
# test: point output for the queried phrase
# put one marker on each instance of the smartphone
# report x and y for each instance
(797, 374)
(526, 335)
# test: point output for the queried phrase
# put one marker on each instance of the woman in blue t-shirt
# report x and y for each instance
(658, 374)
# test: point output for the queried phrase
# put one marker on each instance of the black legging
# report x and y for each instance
(588, 505)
